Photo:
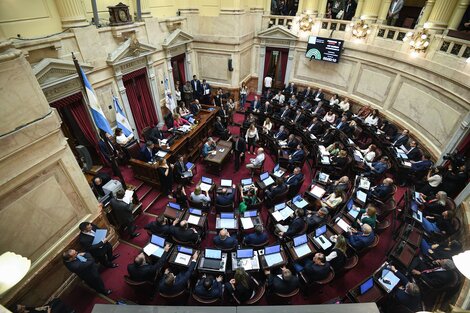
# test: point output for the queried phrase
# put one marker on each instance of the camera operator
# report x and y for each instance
(455, 179)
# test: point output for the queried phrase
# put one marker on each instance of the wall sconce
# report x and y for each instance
(360, 29)
(305, 23)
(418, 41)
(13, 267)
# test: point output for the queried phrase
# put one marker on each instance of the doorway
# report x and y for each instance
(275, 63)
(179, 73)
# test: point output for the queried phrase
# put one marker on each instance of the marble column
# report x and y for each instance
(125, 103)
(458, 14)
(359, 8)
(232, 7)
(383, 11)
(370, 9)
(262, 54)
(311, 6)
(440, 14)
(154, 90)
(72, 13)
(290, 62)
(145, 9)
(188, 65)
(425, 13)
(322, 7)
(171, 81)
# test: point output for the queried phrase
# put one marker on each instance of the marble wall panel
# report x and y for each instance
(245, 64)
(434, 115)
(328, 74)
(373, 84)
(213, 67)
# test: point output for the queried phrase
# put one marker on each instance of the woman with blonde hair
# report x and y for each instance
(241, 285)
(366, 216)
(337, 256)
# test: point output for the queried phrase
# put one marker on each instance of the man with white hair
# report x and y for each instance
(439, 275)
(258, 161)
(384, 190)
(360, 239)
(224, 241)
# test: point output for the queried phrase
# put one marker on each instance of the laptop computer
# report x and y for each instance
(277, 171)
(300, 240)
(245, 253)
(361, 196)
(212, 258)
(279, 206)
(155, 246)
(189, 165)
(366, 286)
(320, 239)
(191, 120)
(272, 255)
(184, 255)
(174, 205)
(206, 180)
(226, 220)
(195, 211)
(185, 250)
(266, 179)
(246, 182)
(252, 213)
(227, 215)
(388, 280)
(206, 183)
(416, 213)
(299, 202)
(323, 177)
(225, 182)
(301, 247)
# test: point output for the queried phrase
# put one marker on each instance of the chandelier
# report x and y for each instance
(418, 41)
(305, 23)
(360, 29)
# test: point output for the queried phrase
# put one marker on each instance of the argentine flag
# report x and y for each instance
(96, 112)
(121, 119)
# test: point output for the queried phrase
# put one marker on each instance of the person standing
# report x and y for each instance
(238, 148)
(165, 175)
(243, 95)
(394, 12)
(123, 213)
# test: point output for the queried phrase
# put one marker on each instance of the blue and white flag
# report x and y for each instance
(121, 119)
(96, 112)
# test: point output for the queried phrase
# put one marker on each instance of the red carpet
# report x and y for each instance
(82, 299)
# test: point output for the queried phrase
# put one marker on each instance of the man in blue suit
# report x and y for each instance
(297, 156)
(281, 134)
(141, 270)
(295, 178)
(384, 190)
(208, 287)
(224, 241)
(256, 238)
(408, 294)
(224, 197)
(423, 165)
(401, 139)
(378, 167)
(147, 151)
(172, 284)
(360, 239)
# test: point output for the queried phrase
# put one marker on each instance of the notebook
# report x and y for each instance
(302, 250)
(185, 250)
(195, 211)
(252, 213)
(263, 176)
(320, 239)
(206, 180)
(273, 258)
(205, 187)
(277, 171)
(325, 160)
(300, 240)
(279, 206)
(213, 254)
(174, 205)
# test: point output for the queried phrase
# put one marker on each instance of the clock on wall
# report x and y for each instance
(119, 15)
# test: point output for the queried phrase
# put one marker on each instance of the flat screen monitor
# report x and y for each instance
(206, 180)
(227, 215)
(157, 240)
(320, 231)
(300, 240)
(366, 285)
(251, 213)
(324, 49)
(185, 250)
(213, 254)
(246, 181)
(244, 253)
(174, 205)
(226, 182)
(279, 206)
(272, 249)
(264, 176)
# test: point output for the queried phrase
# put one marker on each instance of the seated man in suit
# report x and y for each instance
(224, 241)
(208, 147)
(155, 135)
(407, 294)
(281, 134)
(123, 213)
(195, 107)
(291, 89)
(84, 266)
(159, 227)
(256, 238)
(306, 105)
(258, 161)
(267, 108)
(414, 153)
(183, 233)
(295, 178)
(382, 191)
(292, 101)
(360, 239)
(285, 112)
(280, 97)
(401, 139)
(225, 197)
(307, 92)
(294, 228)
(220, 130)
(440, 274)
(208, 287)
(319, 110)
(316, 219)
(422, 166)
(317, 268)
(377, 168)
(99, 181)
(102, 251)
(285, 284)
(318, 95)
(141, 270)
(147, 152)
(315, 127)
(255, 104)
(298, 155)
(343, 125)
(278, 188)
(172, 284)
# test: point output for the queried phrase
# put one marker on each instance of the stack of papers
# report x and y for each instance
(342, 224)
(247, 223)
(128, 196)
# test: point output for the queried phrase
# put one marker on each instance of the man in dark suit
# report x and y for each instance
(384, 190)
(285, 284)
(317, 268)
(278, 188)
(407, 294)
(350, 10)
(172, 284)
(306, 105)
(307, 92)
(360, 240)
(159, 227)
(316, 219)
(315, 127)
(208, 287)
(123, 213)
(294, 228)
(155, 135)
(141, 270)
(291, 89)
(281, 134)
(195, 107)
(298, 155)
(99, 181)
(266, 108)
(295, 178)
(402, 139)
(147, 151)
(343, 125)
(299, 118)
(220, 130)
(102, 251)
(206, 92)
(86, 269)
(224, 241)
(292, 143)
(285, 112)
(197, 87)
(182, 232)
(238, 149)
(180, 168)
(256, 238)
(319, 110)
(318, 96)
(414, 153)
(440, 274)
(224, 197)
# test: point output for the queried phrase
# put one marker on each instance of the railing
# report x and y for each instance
(277, 20)
(391, 32)
(453, 46)
(337, 25)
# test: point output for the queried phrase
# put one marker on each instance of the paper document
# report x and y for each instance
(193, 219)
(161, 154)
(247, 223)
(277, 216)
(364, 184)
(406, 163)
(302, 250)
(343, 225)
(152, 249)
(272, 259)
(312, 136)
(317, 192)
(325, 160)
(182, 258)
(286, 212)
(100, 234)
(361, 196)
(128, 196)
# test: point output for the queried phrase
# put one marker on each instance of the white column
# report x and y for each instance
(262, 54)
(154, 91)
(170, 77)
(187, 64)
(125, 103)
(459, 135)
(290, 62)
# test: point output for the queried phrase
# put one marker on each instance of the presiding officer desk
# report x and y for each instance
(188, 145)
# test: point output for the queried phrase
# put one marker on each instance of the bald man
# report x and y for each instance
(224, 241)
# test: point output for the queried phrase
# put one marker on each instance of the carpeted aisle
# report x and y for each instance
(83, 299)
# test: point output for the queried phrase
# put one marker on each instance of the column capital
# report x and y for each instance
(72, 13)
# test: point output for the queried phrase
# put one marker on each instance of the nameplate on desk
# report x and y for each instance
(182, 258)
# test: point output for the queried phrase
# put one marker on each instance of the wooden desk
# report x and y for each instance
(218, 159)
(172, 213)
(174, 254)
(338, 230)
(202, 223)
(221, 270)
(256, 220)
(217, 219)
(327, 235)
(255, 263)
(264, 265)
(293, 254)
(374, 294)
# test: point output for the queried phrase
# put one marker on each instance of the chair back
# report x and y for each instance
(186, 243)
(134, 150)
(259, 293)
(196, 205)
(205, 301)
(224, 208)
(279, 298)
(179, 298)
(328, 279)
(134, 283)
(351, 262)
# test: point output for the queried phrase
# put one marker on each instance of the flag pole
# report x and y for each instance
(111, 153)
